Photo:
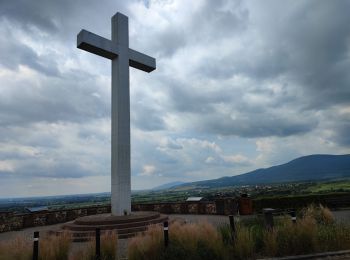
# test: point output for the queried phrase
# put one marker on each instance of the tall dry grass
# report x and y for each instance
(288, 238)
(315, 231)
(109, 244)
(244, 243)
(86, 252)
(18, 248)
(188, 241)
(321, 214)
(199, 240)
(148, 245)
(55, 247)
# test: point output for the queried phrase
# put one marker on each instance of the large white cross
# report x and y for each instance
(122, 57)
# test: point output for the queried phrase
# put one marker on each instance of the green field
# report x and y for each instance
(325, 187)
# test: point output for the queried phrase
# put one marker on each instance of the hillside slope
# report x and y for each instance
(312, 167)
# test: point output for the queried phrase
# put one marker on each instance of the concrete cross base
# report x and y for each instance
(83, 228)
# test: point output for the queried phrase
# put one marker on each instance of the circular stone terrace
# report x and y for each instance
(84, 228)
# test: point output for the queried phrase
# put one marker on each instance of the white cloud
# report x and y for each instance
(148, 170)
(237, 158)
(7, 166)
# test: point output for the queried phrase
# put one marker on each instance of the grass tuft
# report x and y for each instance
(55, 247)
(18, 248)
(109, 243)
(244, 243)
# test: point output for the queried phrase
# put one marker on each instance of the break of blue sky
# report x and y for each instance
(239, 85)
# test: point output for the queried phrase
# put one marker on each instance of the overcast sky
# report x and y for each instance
(239, 85)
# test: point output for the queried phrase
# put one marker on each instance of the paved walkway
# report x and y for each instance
(28, 232)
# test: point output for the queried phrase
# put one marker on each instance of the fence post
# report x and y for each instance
(166, 234)
(233, 227)
(293, 216)
(36, 245)
(268, 217)
(98, 248)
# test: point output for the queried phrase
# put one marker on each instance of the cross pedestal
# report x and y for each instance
(118, 51)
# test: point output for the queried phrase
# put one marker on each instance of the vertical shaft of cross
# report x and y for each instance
(120, 183)
(122, 57)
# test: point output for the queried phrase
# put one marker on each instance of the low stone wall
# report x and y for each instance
(10, 221)
(333, 201)
(208, 207)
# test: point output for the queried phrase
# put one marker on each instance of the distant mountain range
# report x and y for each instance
(307, 168)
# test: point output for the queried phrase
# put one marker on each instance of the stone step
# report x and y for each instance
(77, 227)
(83, 236)
(77, 234)
(95, 220)
(83, 229)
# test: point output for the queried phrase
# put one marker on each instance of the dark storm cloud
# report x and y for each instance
(146, 118)
(187, 100)
(30, 13)
(169, 41)
(211, 22)
(342, 136)
(215, 20)
(56, 17)
(231, 113)
(304, 48)
(261, 125)
(14, 53)
(320, 46)
(57, 100)
(339, 125)
(309, 46)
(60, 97)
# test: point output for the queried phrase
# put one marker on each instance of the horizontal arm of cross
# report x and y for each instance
(106, 48)
(95, 44)
(141, 61)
